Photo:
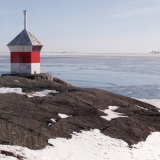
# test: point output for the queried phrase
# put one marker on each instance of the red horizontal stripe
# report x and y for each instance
(25, 57)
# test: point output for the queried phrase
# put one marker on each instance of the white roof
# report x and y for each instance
(25, 38)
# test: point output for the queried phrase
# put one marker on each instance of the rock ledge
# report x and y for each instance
(27, 121)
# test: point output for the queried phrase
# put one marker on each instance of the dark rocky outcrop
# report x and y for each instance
(27, 121)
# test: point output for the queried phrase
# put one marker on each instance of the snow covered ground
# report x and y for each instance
(88, 145)
(19, 91)
(11, 90)
(91, 145)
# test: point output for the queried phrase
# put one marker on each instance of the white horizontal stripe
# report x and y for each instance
(20, 48)
(25, 68)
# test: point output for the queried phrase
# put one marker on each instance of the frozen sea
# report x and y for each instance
(133, 75)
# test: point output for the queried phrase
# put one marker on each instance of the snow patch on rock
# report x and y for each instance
(142, 107)
(16, 80)
(63, 115)
(19, 91)
(41, 93)
(11, 90)
(111, 114)
(4, 157)
(53, 120)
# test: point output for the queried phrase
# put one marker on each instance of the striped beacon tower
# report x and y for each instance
(25, 52)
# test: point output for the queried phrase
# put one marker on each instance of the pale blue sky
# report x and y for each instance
(97, 26)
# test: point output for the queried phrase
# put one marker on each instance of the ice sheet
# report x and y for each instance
(133, 75)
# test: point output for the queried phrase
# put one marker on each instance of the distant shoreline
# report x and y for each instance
(76, 54)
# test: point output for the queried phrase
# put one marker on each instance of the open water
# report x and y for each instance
(133, 75)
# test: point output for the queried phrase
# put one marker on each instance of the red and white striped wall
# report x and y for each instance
(25, 62)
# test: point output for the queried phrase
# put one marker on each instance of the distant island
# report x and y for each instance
(155, 51)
